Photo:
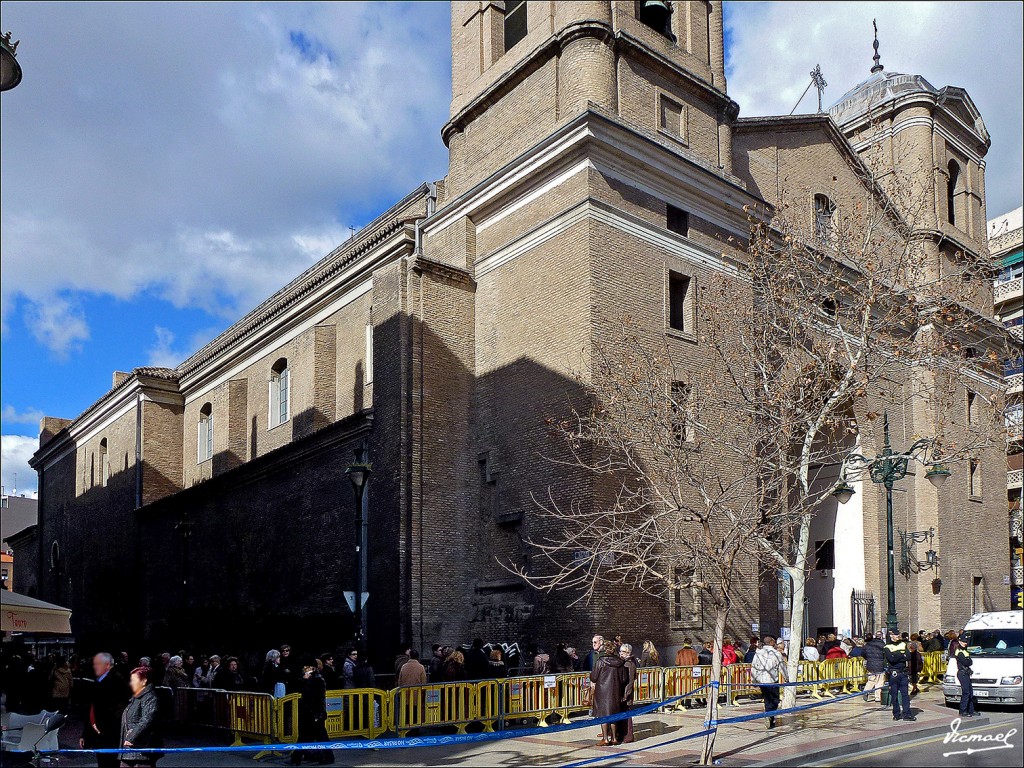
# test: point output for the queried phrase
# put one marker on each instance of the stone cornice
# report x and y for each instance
(588, 28)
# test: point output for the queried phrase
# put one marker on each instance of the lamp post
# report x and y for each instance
(358, 473)
(885, 469)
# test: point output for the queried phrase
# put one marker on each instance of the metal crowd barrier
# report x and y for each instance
(358, 712)
(681, 681)
(575, 694)
(435, 704)
(934, 667)
(370, 712)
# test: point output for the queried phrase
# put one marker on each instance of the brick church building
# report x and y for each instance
(597, 165)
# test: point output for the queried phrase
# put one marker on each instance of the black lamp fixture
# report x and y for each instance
(10, 69)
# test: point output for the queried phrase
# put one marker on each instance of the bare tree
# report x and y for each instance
(706, 476)
(680, 517)
(854, 312)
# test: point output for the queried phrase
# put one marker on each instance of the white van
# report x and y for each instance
(996, 644)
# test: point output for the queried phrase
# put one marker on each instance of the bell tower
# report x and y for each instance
(519, 69)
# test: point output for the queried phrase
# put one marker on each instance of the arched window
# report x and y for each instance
(104, 463)
(204, 450)
(824, 218)
(279, 393)
(953, 187)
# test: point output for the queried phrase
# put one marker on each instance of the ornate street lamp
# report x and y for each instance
(10, 69)
(885, 469)
(358, 474)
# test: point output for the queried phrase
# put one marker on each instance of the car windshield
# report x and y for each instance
(995, 642)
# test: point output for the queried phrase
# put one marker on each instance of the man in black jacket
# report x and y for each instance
(109, 697)
(896, 658)
(874, 663)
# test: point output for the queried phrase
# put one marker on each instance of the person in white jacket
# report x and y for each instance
(769, 670)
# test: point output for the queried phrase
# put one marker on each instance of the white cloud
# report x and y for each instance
(29, 416)
(57, 324)
(223, 148)
(165, 353)
(15, 451)
(975, 45)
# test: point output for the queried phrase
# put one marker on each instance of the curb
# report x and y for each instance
(866, 745)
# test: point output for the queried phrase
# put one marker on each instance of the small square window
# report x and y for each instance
(680, 305)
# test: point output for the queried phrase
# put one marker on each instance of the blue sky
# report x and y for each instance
(210, 152)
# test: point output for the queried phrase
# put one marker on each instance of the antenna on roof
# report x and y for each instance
(877, 59)
(818, 81)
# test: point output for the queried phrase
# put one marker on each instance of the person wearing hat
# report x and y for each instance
(896, 657)
(963, 676)
(874, 663)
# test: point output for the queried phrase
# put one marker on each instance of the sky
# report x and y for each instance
(166, 166)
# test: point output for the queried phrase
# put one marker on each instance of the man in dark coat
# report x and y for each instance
(874, 662)
(109, 697)
(478, 666)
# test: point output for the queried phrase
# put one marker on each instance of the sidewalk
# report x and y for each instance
(843, 724)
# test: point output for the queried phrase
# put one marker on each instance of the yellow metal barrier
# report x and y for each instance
(739, 682)
(934, 668)
(434, 705)
(357, 712)
(648, 686)
(856, 669)
(807, 678)
(488, 698)
(250, 715)
(682, 681)
(575, 694)
(528, 697)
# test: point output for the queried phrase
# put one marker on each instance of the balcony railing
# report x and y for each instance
(1011, 289)
(1015, 478)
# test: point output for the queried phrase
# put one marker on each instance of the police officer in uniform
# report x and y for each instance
(963, 675)
(896, 658)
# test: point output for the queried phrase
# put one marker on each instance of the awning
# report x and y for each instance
(19, 613)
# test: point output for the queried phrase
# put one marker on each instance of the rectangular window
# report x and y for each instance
(283, 396)
(680, 305)
(977, 595)
(825, 555)
(974, 468)
(681, 429)
(685, 608)
(515, 22)
(672, 117)
(369, 354)
(970, 406)
(678, 221)
(205, 438)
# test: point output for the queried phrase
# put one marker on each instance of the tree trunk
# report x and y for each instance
(721, 614)
(798, 575)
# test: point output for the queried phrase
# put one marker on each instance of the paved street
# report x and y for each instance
(843, 724)
(934, 751)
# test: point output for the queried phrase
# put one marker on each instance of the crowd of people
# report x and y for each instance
(120, 706)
